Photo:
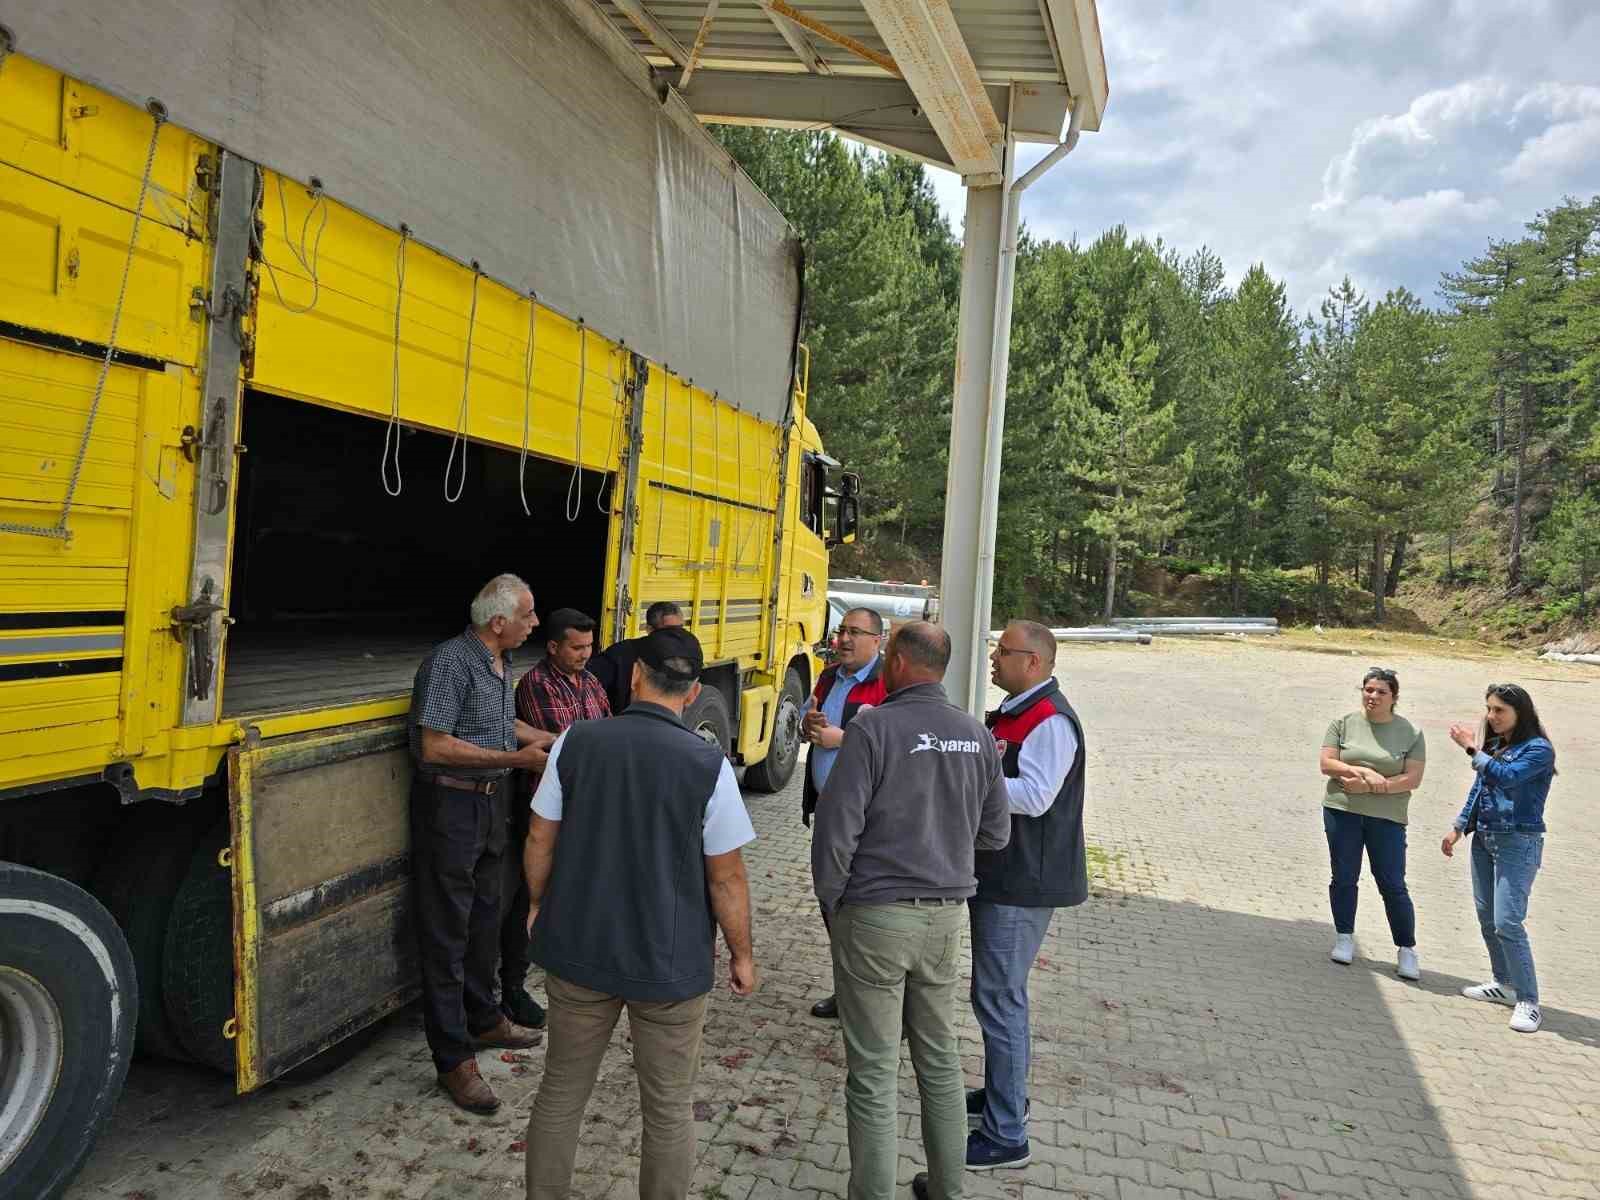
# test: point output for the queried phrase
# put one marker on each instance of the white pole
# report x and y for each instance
(969, 419)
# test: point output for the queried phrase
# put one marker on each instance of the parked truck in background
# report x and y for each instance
(258, 449)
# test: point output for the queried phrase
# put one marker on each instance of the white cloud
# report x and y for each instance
(1383, 139)
(1399, 143)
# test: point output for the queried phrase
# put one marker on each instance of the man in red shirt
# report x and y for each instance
(555, 694)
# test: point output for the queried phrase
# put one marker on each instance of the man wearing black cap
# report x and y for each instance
(633, 862)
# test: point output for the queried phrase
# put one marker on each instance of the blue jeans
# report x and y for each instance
(1385, 844)
(1005, 941)
(1503, 867)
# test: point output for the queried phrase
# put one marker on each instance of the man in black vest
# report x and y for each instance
(633, 862)
(1041, 869)
(613, 666)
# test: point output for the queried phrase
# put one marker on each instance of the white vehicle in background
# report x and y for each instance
(895, 602)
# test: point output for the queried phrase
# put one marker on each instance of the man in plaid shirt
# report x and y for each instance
(555, 693)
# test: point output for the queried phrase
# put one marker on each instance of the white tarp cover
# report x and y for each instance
(499, 130)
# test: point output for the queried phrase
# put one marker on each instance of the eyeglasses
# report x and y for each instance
(851, 631)
(1002, 650)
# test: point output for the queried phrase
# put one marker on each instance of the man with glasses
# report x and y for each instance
(852, 683)
(1042, 868)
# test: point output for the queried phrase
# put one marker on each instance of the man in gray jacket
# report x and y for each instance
(916, 790)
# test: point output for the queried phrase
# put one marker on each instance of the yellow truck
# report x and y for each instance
(258, 449)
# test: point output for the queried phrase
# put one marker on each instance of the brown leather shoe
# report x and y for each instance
(468, 1090)
(507, 1036)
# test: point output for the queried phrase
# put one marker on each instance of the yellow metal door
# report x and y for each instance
(323, 937)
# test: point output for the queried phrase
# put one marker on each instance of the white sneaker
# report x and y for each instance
(1408, 967)
(1344, 949)
(1526, 1018)
(1493, 992)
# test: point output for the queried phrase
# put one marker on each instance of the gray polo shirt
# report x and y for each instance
(457, 692)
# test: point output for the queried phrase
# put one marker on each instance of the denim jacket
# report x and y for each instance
(1509, 793)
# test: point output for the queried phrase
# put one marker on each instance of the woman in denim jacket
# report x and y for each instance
(1504, 812)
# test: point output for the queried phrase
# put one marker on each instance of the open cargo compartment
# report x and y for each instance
(339, 588)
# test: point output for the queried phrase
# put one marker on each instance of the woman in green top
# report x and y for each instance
(1373, 760)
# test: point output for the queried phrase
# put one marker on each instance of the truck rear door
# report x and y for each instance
(323, 937)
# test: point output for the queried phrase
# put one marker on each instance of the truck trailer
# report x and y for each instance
(261, 440)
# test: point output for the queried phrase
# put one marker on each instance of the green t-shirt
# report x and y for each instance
(1386, 748)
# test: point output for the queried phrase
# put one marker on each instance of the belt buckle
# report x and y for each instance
(490, 786)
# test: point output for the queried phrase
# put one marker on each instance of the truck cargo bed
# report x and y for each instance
(278, 672)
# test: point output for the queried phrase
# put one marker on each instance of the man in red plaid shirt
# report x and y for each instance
(555, 693)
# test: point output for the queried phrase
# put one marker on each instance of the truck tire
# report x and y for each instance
(197, 961)
(69, 1001)
(772, 774)
(708, 718)
(138, 886)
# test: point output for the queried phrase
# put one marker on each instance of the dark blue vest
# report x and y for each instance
(627, 911)
(1045, 864)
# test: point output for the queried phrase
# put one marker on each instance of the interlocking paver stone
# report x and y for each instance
(1192, 1038)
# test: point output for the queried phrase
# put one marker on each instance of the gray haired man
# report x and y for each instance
(465, 739)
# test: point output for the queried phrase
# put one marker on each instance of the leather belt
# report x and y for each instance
(936, 901)
(462, 783)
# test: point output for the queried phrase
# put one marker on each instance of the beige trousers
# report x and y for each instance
(666, 1057)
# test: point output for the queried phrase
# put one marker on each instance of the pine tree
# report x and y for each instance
(1128, 453)
(1251, 427)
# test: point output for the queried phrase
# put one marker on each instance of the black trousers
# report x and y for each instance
(458, 846)
(514, 942)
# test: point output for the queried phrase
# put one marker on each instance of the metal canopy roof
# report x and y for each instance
(942, 80)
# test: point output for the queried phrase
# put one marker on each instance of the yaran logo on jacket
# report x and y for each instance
(928, 741)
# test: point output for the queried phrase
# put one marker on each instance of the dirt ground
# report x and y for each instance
(1192, 1038)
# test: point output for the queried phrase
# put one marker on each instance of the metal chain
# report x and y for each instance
(619, 359)
(59, 531)
(527, 400)
(459, 439)
(391, 435)
(661, 498)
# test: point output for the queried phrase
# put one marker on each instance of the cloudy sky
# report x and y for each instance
(1384, 139)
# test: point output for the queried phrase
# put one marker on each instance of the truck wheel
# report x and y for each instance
(138, 885)
(708, 719)
(68, 1005)
(197, 962)
(772, 774)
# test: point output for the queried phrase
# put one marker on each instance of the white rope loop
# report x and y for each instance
(391, 435)
(527, 400)
(60, 531)
(575, 484)
(307, 256)
(460, 436)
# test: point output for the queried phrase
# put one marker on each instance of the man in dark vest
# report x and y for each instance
(1042, 868)
(613, 666)
(852, 683)
(633, 863)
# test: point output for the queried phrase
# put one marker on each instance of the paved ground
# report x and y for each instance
(1193, 1038)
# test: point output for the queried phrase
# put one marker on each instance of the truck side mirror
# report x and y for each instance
(848, 518)
(850, 484)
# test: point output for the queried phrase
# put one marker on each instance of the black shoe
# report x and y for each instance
(522, 1008)
(827, 1009)
(984, 1155)
(919, 1185)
